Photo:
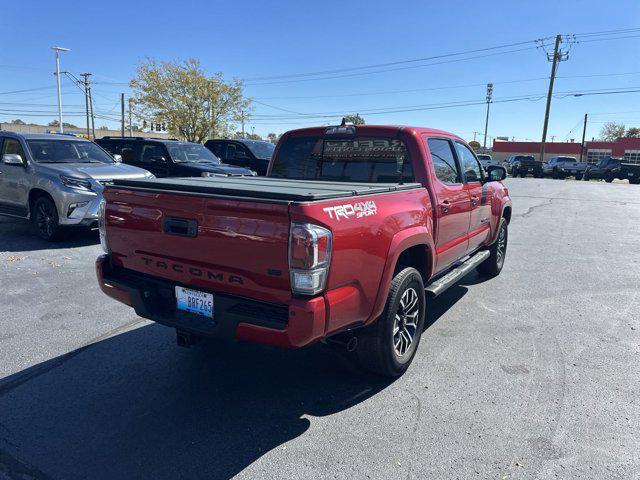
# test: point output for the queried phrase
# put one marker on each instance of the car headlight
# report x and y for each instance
(75, 182)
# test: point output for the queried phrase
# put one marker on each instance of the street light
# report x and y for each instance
(59, 49)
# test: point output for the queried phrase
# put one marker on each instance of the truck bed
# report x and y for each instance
(264, 187)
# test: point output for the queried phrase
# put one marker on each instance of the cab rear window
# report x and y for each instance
(375, 160)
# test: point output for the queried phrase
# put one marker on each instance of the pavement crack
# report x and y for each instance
(530, 210)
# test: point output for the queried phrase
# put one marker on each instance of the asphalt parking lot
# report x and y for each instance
(533, 374)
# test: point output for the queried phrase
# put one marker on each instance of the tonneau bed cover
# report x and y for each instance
(265, 187)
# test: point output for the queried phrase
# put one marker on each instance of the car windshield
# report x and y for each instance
(190, 153)
(525, 157)
(566, 159)
(261, 150)
(343, 160)
(67, 151)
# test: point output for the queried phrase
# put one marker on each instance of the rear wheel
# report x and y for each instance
(578, 176)
(608, 177)
(634, 181)
(45, 219)
(388, 346)
(514, 172)
(492, 266)
(555, 175)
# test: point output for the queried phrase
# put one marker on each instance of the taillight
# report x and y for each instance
(102, 226)
(309, 257)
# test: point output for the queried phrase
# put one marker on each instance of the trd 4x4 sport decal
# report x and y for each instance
(350, 210)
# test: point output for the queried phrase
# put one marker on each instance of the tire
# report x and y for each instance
(45, 219)
(492, 266)
(555, 175)
(586, 177)
(578, 176)
(608, 177)
(634, 181)
(514, 173)
(384, 352)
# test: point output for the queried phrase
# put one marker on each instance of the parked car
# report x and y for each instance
(487, 160)
(56, 180)
(252, 154)
(562, 167)
(524, 165)
(610, 168)
(340, 243)
(170, 158)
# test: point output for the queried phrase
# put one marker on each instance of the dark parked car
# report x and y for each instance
(609, 168)
(252, 154)
(169, 158)
(524, 165)
(562, 167)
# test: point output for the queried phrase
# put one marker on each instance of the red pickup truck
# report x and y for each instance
(350, 233)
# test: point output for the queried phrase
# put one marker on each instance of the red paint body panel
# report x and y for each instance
(242, 245)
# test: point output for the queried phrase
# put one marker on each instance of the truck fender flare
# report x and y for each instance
(499, 215)
(403, 240)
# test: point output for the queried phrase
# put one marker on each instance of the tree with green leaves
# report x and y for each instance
(611, 131)
(355, 119)
(55, 123)
(273, 137)
(633, 132)
(193, 105)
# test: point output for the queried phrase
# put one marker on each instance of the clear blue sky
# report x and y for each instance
(261, 39)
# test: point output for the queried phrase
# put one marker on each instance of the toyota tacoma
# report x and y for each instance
(350, 233)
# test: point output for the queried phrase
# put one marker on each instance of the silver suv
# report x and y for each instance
(55, 180)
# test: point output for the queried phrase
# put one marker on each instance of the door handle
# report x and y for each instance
(444, 206)
(474, 201)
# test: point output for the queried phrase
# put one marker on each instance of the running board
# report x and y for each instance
(444, 282)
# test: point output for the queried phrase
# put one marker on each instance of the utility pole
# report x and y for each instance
(122, 115)
(86, 100)
(58, 50)
(242, 118)
(210, 118)
(584, 131)
(130, 126)
(93, 119)
(558, 56)
(486, 122)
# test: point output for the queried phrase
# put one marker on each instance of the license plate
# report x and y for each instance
(200, 303)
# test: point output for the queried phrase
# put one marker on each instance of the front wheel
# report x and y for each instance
(388, 346)
(492, 266)
(608, 177)
(45, 219)
(578, 176)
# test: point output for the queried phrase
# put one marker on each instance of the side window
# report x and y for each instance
(470, 167)
(230, 152)
(151, 152)
(217, 149)
(13, 146)
(444, 163)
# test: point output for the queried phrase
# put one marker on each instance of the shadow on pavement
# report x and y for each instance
(19, 236)
(137, 406)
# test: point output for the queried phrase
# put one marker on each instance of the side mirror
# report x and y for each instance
(159, 159)
(496, 173)
(12, 159)
(117, 158)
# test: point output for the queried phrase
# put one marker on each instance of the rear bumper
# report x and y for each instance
(297, 324)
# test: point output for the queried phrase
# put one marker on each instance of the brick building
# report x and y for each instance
(625, 147)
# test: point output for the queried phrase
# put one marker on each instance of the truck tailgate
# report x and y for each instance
(234, 246)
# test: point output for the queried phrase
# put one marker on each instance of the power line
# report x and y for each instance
(388, 64)
(393, 69)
